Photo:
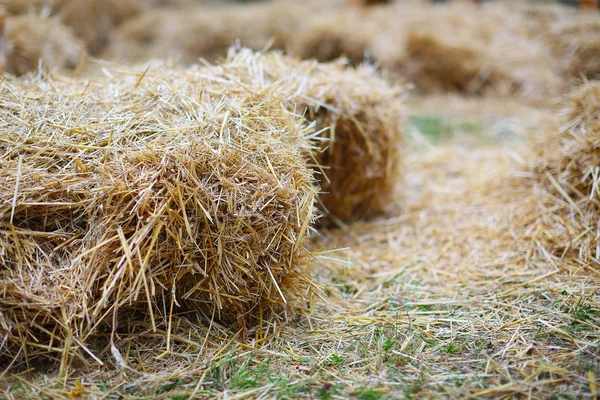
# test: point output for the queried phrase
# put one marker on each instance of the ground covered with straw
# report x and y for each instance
(444, 297)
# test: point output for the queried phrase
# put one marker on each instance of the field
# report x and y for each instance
(480, 278)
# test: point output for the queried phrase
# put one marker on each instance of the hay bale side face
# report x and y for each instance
(171, 187)
(580, 146)
(568, 171)
(361, 165)
(31, 38)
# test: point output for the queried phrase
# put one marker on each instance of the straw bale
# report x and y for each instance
(120, 196)
(577, 45)
(192, 33)
(91, 20)
(358, 113)
(366, 3)
(18, 7)
(2, 39)
(336, 34)
(31, 38)
(569, 179)
(475, 50)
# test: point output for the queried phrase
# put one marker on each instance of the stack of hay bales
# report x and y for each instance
(193, 189)
(31, 39)
(569, 171)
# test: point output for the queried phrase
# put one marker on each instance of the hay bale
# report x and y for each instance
(118, 197)
(2, 39)
(442, 63)
(192, 33)
(365, 113)
(366, 3)
(332, 35)
(358, 113)
(568, 170)
(91, 20)
(30, 38)
(475, 50)
(18, 7)
(576, 43)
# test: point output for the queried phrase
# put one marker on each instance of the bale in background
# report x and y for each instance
(30, 38)
(192, 33)
(568, 169)
(3, 46)
(334, 34)
(576, 43)
(18, 7)
(475, 50)
(91, 20)
(121, 200)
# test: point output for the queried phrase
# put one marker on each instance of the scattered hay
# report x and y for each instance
(145, 195)
(440, 299)
(570, 181)
(30, 38)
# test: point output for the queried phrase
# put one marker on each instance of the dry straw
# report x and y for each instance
(33, 42)
(359, 114)
(146, 194)
(172, 190)
(569, 166)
